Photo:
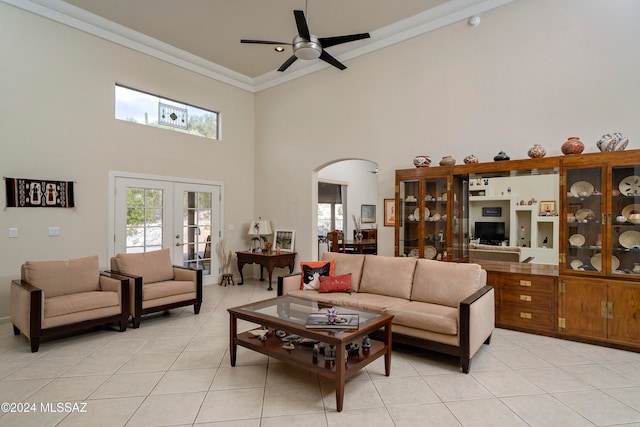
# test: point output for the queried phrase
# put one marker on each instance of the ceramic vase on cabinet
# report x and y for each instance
(537, 151)
(447, 161)
(471, 159)
(422, 161)
(612, 142)
(572, 145)
(501, 156)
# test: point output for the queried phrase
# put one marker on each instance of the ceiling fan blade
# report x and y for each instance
(264, 42)
(332, 41)
(331, 60)
(301, 23)
(288, 63)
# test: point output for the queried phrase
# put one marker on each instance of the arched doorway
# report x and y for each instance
(351, 183)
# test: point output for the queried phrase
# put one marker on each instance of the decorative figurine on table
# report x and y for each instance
(316, 350)
(366, 342)
(331, 316)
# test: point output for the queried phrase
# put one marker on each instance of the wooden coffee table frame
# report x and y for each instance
(302, 357)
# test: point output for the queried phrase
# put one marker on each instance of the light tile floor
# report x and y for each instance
(174, 371)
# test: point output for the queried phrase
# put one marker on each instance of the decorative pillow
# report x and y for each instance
(311, 271)
(336, 283)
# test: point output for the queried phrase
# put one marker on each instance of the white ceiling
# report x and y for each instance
(204, 35)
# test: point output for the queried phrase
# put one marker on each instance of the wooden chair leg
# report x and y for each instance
(196, 308)
(465, 363)
(35, 344)
(16, 331)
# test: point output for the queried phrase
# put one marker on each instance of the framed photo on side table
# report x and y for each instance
(389, 212)
(284, 240)
(368, 214)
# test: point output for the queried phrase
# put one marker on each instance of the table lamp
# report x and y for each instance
(259, 227)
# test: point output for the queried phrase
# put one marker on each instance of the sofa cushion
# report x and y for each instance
(63, 277)
(81, 301)
(392, 276)
(154, 266)
(347, 263)
(311, 272)
(167, 288)
(336, 283)
(429, 317)
(445, 283)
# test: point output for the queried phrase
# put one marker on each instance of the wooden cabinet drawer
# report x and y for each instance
(531, 283)
(528, 317)
(527, 298)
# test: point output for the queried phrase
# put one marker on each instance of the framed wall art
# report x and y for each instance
(389, 212)
(368, 214)
(492, 211)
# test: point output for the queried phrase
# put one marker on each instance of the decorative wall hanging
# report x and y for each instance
(30, 193)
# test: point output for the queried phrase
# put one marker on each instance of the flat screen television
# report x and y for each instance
(490, 233)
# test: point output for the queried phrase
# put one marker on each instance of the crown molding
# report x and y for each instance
(414, 26)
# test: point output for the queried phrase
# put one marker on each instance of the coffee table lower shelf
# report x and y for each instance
(339, 370)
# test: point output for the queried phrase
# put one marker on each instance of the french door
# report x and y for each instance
(151, 214)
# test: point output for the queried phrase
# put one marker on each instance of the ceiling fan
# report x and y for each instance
(307, 46)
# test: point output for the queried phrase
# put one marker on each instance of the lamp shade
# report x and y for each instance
(260, 227)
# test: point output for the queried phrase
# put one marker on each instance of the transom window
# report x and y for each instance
(153, 110)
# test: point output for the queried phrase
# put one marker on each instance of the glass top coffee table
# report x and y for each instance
(289, 314)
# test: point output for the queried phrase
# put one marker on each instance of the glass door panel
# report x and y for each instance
(409, 218)
(585, 218)
(435, 218)
(625, 220)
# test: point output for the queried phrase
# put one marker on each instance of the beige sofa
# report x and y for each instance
(54, 297)
(440, 306)
(482, 252)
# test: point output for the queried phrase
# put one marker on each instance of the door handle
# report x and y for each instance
(177, 236)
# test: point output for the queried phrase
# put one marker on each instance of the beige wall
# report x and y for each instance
(534, 71)
(57, 122)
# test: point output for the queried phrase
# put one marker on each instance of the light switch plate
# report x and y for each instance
(54, 231)
(13, 232)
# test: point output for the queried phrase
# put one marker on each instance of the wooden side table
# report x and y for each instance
(265, 260)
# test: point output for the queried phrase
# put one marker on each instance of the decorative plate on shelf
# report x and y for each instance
(426, 213)
(416, 214)
(577, 240)
(629, 239)
(630, 186)
(581, 189)
(430, 252)
(632, 209)
(583, 214)
(414, 253)
(576, 264)
(596, 262)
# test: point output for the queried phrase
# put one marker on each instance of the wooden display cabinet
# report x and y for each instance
(590, 289)
(599, 287)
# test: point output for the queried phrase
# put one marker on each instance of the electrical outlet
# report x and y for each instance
(13, 232)
(54, 231)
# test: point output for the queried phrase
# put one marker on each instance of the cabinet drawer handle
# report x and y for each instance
(525, 282)
(525, 297)
(525, 315)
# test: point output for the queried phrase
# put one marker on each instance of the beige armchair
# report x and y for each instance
(54, 297)
(156, 285)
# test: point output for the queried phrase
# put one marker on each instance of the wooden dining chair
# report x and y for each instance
(336, 241)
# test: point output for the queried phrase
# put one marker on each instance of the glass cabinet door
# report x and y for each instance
(459, 215)
(409, 218)
(624, 219)
(585, 221)
(435, 217)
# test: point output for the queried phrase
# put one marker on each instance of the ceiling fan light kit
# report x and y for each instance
(308, 47)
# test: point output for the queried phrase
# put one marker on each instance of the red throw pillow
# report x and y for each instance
(312, 271)
(336, 283)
